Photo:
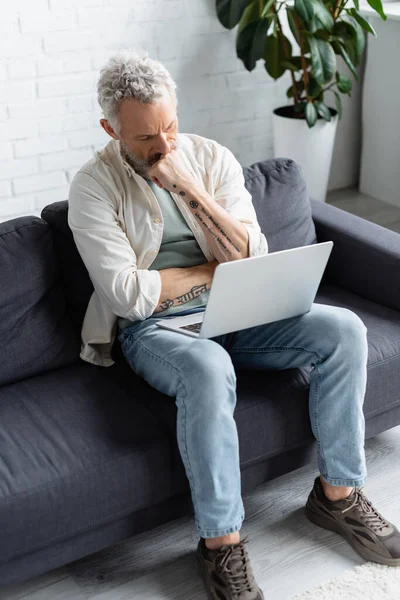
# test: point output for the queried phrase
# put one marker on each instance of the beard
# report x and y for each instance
(141, 165)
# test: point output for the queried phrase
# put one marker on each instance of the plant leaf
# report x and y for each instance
(323, 110)
(349, 34)
(338, 104)
(289, 65)
(314, 89)
(300, 107)
(305, 9)
(267, 7)
(363, 22)
(322, 34)
(291, 16)
(359, 39)
(274, 55)
(250, 42)
(250, 14)
(229, 12)
(295, 63)
(378, 6)
(322, 15)
(344, 30)
(323, 60)
(344, 84)
(311, 114)
(348, 60)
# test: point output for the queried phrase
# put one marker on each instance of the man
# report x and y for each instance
(152, 214)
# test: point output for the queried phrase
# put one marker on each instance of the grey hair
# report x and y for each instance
(130, 75)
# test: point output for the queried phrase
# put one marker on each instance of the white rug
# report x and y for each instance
(367, 582)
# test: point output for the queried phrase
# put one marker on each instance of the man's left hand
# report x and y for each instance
(171, 173)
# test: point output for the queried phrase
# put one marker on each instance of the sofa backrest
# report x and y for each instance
(35, 331)
(280, 199)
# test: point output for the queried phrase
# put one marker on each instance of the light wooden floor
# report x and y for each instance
(289, 554)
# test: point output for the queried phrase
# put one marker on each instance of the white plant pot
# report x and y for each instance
(311, 148)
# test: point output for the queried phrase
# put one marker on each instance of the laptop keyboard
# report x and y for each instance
(195, 327)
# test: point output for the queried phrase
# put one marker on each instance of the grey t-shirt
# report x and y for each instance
(179, 248)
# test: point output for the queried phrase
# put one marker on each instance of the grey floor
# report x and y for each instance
(289, 555)
(369, 208)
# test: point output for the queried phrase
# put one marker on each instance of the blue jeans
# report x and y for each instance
(200, 375)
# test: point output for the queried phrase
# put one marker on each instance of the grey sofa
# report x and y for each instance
(88, 455)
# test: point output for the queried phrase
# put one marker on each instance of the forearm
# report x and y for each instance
(227, 237)
(180, 285)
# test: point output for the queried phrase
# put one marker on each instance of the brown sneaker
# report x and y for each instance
(227, 572)
(368, 533)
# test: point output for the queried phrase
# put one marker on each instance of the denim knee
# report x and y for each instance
(208, 367)
(353, 330)
(343, 327)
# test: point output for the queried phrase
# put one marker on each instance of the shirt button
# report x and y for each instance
(154, 252)
(157, 220)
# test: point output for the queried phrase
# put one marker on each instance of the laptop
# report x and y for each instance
(257, 290)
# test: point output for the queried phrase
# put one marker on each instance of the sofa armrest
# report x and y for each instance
(365, 258)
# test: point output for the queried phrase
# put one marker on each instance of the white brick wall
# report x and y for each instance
(52, 51)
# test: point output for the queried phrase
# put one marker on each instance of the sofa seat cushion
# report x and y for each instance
(383, 324)
(272, 406)
(76, 451)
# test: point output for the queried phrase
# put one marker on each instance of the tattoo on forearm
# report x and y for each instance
(194, 204)
(190, 295)
(166, 304)
(221, 243)
(219, 228)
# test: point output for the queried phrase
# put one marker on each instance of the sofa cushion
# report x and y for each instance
(281, 201)
(35, 331)
(77, 451)
(78, 286)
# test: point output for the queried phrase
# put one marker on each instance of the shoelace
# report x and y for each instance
(238, 581)
(368, 513)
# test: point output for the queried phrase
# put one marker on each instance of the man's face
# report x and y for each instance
(148, 131)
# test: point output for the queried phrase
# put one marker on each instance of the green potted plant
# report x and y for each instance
(321, 31)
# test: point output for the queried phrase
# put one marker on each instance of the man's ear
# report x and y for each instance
(108, 129)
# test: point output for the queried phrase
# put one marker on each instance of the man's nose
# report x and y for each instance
(162, 144)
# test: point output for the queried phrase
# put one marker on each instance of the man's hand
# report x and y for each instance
(212, 265)
(171, 173)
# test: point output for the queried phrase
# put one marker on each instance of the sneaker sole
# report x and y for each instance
(365, 553)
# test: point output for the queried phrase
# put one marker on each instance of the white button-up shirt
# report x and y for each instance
(116, 223)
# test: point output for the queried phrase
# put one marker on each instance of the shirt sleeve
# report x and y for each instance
(107, 253)
(231, 193)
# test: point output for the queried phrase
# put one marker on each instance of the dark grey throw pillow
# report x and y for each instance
(281, 202)
(35, 332)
